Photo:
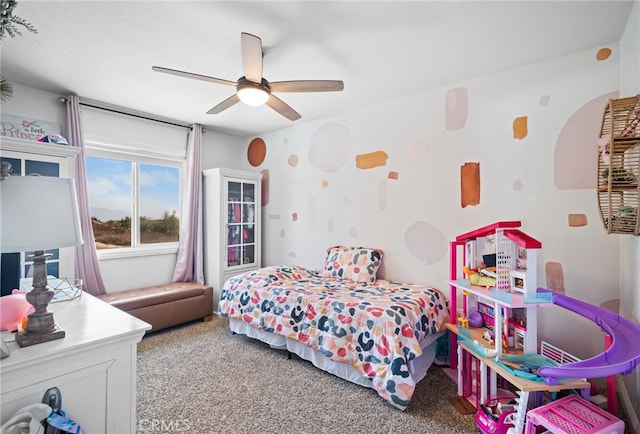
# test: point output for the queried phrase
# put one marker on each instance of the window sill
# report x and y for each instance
(108, 254)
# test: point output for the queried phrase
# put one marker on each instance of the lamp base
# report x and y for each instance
(25, 339)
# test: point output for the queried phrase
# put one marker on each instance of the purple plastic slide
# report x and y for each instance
(621, 357)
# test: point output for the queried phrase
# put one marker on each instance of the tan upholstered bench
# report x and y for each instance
(165, 306)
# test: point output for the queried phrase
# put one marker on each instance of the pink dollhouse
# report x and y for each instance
(497, 278)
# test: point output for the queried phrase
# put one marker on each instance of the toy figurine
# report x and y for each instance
(505, 344)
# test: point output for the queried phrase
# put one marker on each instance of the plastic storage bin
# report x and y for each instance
(573, 415)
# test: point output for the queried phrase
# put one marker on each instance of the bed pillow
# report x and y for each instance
(359, 264)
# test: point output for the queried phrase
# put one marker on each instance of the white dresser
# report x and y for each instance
(94, 366)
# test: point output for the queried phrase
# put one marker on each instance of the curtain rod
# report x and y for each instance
(123, 111)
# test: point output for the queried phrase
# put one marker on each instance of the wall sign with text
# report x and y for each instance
(18, 127)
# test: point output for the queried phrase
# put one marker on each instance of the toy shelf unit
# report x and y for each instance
(498, 280)
(619, 166)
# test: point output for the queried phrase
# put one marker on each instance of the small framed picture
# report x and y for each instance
(518, 281)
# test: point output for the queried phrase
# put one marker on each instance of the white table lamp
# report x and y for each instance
(38, 213)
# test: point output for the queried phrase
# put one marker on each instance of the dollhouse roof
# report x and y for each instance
(516, 235)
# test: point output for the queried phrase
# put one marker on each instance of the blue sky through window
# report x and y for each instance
(110, 184)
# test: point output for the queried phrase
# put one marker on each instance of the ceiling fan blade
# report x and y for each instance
(194, 76)
(251, 47)
(233, 99)
(307, 86)
(283, 108)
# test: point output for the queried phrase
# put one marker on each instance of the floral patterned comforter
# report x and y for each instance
(376, 327)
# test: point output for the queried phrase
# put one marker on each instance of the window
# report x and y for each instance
(133, 203)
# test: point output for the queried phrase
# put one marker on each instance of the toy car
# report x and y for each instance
(496, 418)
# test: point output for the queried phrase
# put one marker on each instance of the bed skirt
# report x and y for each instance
(418, 367)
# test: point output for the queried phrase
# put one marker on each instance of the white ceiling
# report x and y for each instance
(382, 50)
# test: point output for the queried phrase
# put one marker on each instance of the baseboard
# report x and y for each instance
(632, 416)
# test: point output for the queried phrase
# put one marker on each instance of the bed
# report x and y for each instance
(377, 333)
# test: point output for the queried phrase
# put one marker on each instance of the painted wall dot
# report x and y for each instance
(520, 128)
(555, 277)
(469, 184)
(425, 242)
(544, 100)
(577, 220)
(603, 54)
(517, 185)
(325, 183)
(293, 160)
(265, 187)
(294, 216)
(330, 147)
(256, 152)
(574, 160)
(312, 210)
(418, 152)
(282, 233)
(612, 305)
(392, 175)
(371, 160)
(456, 108)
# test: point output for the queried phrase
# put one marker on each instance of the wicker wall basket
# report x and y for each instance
(619, 166)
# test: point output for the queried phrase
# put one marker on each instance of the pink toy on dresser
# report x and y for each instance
(13, 309)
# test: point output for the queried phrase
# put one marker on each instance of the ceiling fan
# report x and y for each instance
(252, 88)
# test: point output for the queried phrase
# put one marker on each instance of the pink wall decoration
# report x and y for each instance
(330, 147)
(517, 185)
(544, 100)
(555, 277)
(612, 305)
(576, 153)
(425, 242)
(312, 209)
(418, 152)
(456, 108)
(392, 175)
(265, 187)
(293, 160)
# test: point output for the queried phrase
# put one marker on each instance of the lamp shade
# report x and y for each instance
(38, 213)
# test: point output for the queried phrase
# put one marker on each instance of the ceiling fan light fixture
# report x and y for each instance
(253, 95)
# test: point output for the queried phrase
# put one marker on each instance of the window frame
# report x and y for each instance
(137, 156)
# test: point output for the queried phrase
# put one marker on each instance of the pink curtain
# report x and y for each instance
(189, 265)
(87, 267)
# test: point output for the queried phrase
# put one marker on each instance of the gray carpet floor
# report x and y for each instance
(201, 378)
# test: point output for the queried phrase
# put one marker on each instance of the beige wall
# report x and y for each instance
(630, 246)
(409, 203)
